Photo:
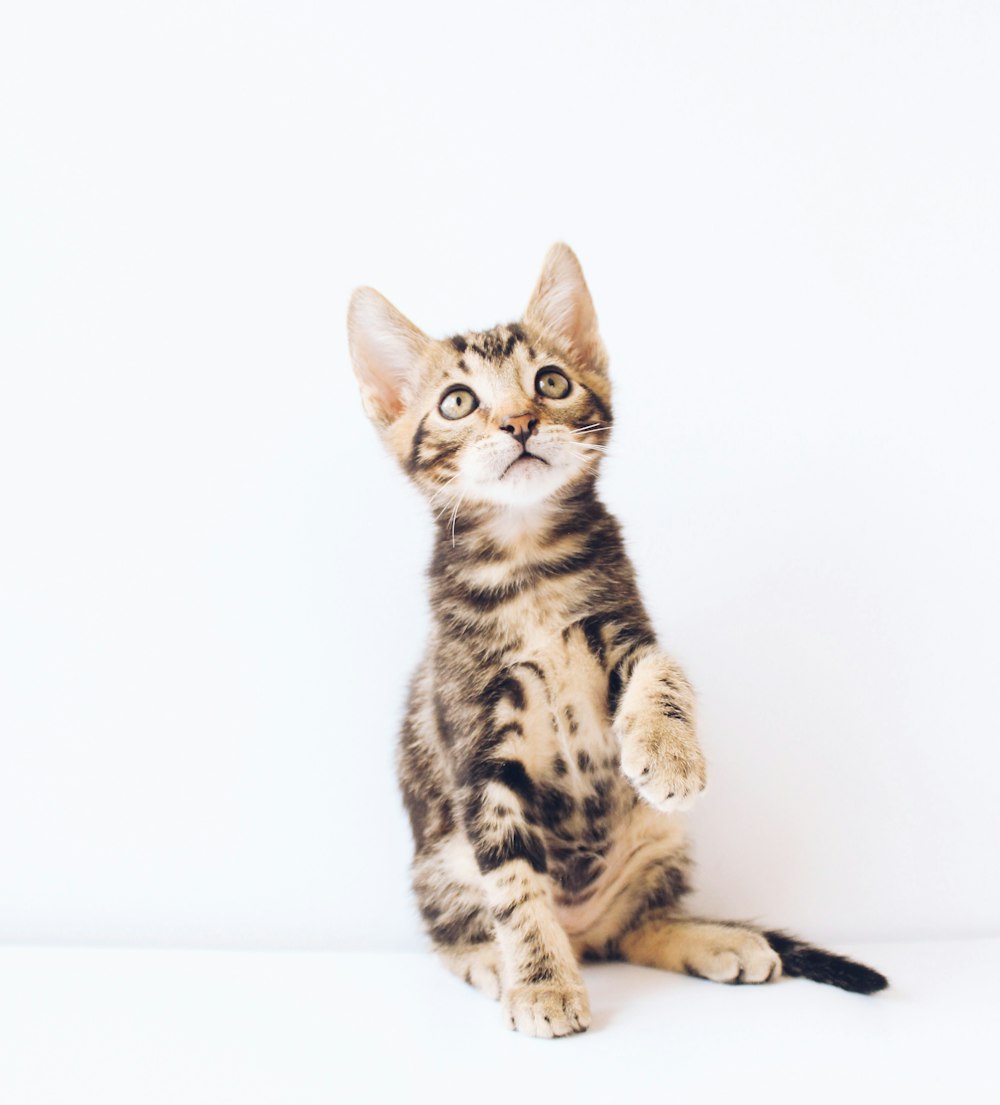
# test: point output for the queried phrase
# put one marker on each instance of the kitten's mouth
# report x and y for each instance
(522, 460)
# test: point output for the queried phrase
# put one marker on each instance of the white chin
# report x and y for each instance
(526, 481)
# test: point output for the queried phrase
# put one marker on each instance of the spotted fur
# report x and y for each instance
(549, 743)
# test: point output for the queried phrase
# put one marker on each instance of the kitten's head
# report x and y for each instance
(512, 415)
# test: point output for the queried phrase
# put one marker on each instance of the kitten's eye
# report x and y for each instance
(457, 403)
(551, 383)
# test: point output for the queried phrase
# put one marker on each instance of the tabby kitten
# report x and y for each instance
(549, 743)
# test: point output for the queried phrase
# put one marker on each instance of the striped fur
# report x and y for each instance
(549, 743)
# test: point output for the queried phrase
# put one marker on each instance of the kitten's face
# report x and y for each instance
(508, 416)
(502, 417)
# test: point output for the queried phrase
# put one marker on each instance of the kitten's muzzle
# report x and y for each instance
(523, 456)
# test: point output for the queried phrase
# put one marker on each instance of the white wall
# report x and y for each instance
(211, 576)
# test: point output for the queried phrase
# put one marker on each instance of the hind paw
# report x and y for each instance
(479, 966)
(740, 956)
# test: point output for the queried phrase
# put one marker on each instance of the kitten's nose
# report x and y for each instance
(522, 426)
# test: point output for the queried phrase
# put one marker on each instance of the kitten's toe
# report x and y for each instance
(547, 1010)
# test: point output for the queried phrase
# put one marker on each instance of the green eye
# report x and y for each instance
(457, 403)
(551, 383)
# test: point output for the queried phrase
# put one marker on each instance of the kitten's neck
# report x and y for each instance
(516, 526)
(517, 532)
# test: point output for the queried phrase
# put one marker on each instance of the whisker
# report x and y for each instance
(447, 506)
(454, 519)
(435, 499)
(449, 502)
(442, 489)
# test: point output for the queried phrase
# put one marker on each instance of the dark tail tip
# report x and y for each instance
(802, 960)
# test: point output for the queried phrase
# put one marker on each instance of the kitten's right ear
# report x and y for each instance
(387, 352)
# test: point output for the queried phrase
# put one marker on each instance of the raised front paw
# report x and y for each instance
(661, 759)
(547, 1009)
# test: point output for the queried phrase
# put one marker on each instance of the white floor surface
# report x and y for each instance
(183, 1027)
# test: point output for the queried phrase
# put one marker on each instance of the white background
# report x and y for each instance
(211, 577)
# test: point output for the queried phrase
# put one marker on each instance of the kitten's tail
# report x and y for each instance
(802, 960)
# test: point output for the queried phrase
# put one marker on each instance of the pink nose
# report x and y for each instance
(522, 426)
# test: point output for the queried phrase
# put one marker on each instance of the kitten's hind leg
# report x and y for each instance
(458, 920)
(708, 949)
(476, 964)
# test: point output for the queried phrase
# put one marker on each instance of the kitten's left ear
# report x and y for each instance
(388, 353)
(561, 307)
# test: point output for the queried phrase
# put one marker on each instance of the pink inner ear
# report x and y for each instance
(388, 401)
(561, 303)
(379, 375)
(386, 349)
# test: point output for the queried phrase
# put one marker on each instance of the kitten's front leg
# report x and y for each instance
(542, 989)
(654, 723)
